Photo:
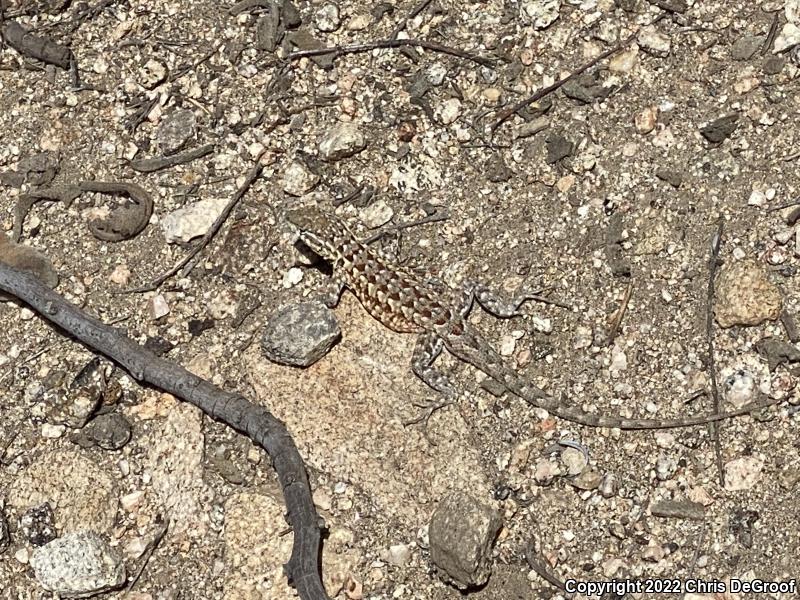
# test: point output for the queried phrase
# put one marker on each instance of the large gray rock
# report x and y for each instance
(78, 565)
(462, 533)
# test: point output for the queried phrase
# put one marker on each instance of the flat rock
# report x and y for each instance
(84, 496)
(176, 463)
(671, 176)
(192, 221)
(720, 129)
(462, 533)
(540, 13)
(175, 130)
(679, 509)
(298, 179)
(78, 565)
(342, 140)
(742, 473)
(745, 295)
(745, 47)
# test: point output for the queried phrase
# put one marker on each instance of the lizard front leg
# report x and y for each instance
(427, 349)
(331, 293)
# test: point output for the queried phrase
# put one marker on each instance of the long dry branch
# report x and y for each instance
(256, 422)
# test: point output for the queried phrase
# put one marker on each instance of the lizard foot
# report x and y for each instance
(425, 414)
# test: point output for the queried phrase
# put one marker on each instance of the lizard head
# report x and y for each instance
(318, 229)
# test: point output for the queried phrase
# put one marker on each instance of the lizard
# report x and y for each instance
(406, 302)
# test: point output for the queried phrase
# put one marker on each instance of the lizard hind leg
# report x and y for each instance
(491, 302)
(496, 304)
(428, 348)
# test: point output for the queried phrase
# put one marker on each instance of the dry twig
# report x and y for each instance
(506, 114)
(261, 426)
(713, 263)
(338, 51)
(190, 260)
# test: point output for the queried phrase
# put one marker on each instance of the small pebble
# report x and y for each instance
(654, 42)
(645, 121)
(326, 19)
(449, 110)
(398, 555)
(742, 473)
(377, 214)
(157, 307)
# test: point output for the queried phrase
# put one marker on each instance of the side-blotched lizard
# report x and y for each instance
(408, 303)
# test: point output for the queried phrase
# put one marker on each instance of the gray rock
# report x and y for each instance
(74, 405)
(327, 18)
(302, 39)
(342, 140)
(462, 533)
(110, 432)
(298, 180)
(679, 509)
(745, 47)
(719, 130)
(290, 15)
(268, 29)
(540, 13)
(175, 130)
(773, 65)
(558, 147)
(497, 171)
(299, 335)
(78, 565)
(654, 42)
(37, 524)
(777, 352)
(671, 176)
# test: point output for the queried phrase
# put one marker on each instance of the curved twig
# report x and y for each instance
(303, 568)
